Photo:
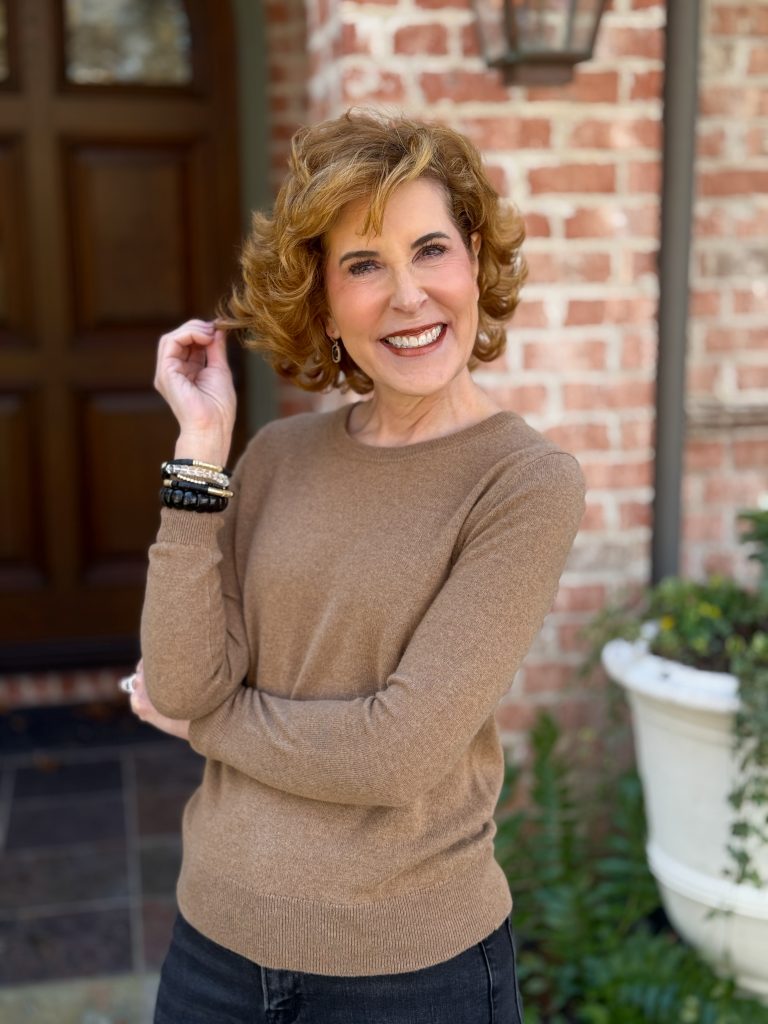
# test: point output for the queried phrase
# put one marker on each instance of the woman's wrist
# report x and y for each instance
(204, 447)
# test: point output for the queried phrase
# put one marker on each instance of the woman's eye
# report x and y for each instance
(362, 267)
(434, 249)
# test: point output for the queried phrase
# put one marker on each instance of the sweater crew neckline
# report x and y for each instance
(339, 420)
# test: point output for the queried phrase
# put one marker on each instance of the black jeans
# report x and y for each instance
(203, 983)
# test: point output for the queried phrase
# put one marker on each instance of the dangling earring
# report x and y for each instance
(336, 350)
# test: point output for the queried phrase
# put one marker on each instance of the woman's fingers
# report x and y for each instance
(193, 376)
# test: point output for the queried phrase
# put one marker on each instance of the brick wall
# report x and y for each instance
(727, 451)
(582, 162)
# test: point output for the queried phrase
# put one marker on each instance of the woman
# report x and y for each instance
(335, 642)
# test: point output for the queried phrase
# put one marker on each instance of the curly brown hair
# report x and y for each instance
(280, 308)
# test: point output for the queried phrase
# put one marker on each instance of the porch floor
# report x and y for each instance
(90, 812)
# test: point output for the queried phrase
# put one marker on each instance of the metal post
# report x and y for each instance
(680, 106)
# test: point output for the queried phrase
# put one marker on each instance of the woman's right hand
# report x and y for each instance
(194, 378)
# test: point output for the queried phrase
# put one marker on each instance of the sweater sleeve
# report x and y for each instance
(193, 638)
(392, 746)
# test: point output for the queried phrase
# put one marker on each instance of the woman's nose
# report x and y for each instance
(407, 293)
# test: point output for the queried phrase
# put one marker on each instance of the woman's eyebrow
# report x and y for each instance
(358, 254)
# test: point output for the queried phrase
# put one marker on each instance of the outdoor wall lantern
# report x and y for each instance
(537, 41)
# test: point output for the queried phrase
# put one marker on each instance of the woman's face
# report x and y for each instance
(404, 302)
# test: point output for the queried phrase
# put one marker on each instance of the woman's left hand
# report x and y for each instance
(144, 709)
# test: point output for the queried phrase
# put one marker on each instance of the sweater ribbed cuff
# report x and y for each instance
(195, 529)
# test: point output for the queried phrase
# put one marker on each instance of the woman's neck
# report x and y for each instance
(392, 421)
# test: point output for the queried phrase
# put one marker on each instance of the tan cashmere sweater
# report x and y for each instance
(340, 637)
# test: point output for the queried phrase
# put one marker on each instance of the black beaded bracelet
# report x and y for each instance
(191, 501)
(196, 485)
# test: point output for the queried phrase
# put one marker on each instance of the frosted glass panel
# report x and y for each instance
(3, 42)
(133, 42)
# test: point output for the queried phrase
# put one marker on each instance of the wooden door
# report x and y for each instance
(118, 220)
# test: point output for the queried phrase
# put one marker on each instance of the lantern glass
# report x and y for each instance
(526, 31)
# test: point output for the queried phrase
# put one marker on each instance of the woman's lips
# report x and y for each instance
(418, 350)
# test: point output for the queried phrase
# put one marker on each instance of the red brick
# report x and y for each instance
(613, 221)
(740, 489)
(349, 41)
(643, 263)
(525, 398)
(573, 178)
(570, 638)
(756, 140)
(720, 100)
(421, 39)
(710, 223)
(557, 354)
(546, 677)
(644, 176)
(599, 311)
(741, 20)
(622, 133)
(701, 380)
(588, 86)
(581, 437)
(724, 339)
(754, 300)
(594, 517)
(752, 454)
(508, 132)
(588, 597)
(646, 85)
(704, 303)
(619, 394)
(732, 182)
(498, 178)
(370, 83)
(470, 41)
(625, 41)
(435, 4)
(751, 377)
(531, 313)
(537, 225)
(613, 476)
(637, 434)
(703, 526)
(638, 351)
(758, 59)
(703, 455)
(635, 513)
(515, 717)
(710, 142)
(550, 268)
(463, 86)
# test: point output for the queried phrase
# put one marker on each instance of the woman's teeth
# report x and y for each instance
(415, 340)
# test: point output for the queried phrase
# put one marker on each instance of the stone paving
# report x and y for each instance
(90, 810)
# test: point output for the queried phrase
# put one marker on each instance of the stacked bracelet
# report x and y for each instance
(195, 486)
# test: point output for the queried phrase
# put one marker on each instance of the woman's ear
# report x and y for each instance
(330, 328)
(475, 242)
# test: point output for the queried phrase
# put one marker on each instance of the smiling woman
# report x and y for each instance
(335, 641)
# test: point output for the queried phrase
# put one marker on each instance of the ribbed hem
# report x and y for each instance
(192, 528)
(389, 936)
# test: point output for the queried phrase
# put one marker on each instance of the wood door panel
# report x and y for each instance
(123, 438)
(119, 218)
(132, 222)
(14, 268)
(22, 548)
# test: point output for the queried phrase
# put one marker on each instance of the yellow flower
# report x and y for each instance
(667, 622)
(711, 611)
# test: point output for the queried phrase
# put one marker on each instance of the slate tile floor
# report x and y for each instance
(90, 811)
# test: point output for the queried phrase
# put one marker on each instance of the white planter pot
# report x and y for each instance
(682, 721)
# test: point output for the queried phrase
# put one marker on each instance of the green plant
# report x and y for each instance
(720, 626)
(586, 906)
